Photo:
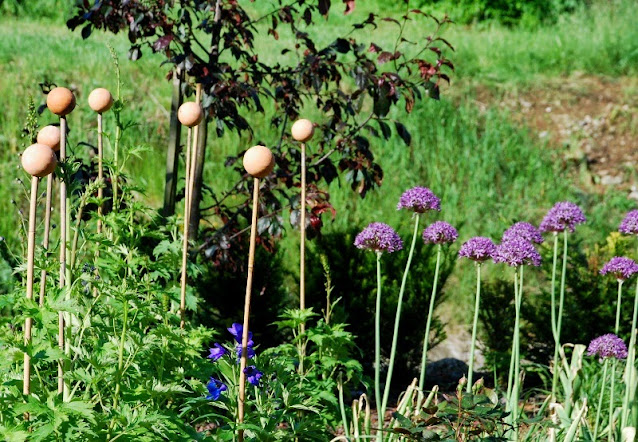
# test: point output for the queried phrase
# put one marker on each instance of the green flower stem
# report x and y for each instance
(426, 339)
(618, 305)
(344, 419)
(397, 319)
(470, 371)
(561, 303)
(377, 348)
(600, 398)
(630, 369)
(516, 352)
(613, 367)
(611, 400)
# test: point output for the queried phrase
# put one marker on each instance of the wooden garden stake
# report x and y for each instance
(189, 114)
(191, 170)
(258, 162)
(302, 131)
(100, 100)
(61, 102)
(49, 136)
(38, 160)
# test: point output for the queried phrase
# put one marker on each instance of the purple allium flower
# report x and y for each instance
(517, 252)
(253, 375)
(629, 225)
(620, 267)
(217, 352)
(237, 330)
(607, 346)
(477, 249)
(440, 232)
(215, 388)
(564, 215)
(379, 237)
(525, 231)
(419, 199)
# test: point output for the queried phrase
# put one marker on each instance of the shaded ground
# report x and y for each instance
(591, 121)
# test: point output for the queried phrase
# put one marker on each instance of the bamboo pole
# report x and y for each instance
(38, 160)
(249, 285)
(100, 100)
(49, 136)
(26, 388)
(258, 162)
(190, 115)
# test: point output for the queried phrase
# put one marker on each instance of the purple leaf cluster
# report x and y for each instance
(629, 224)
(379, 237)
(620, 267)
(607, 346)
(440, 232)
(478, 249)
(517, 252)
(564, 215)
(419, 199)
(524, 231)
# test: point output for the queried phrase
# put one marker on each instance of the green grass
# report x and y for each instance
(487, 170)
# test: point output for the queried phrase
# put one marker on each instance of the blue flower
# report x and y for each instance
(253, 375)
(217, 352)
(250, 352)
(215, 388)
(237, 330)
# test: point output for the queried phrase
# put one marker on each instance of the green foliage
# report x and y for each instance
(36, 9)
(296, 395)
(528, 12)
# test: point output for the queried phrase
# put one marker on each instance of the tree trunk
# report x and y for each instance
(172, 155)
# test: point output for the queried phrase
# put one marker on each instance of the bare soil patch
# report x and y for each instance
(592, 122)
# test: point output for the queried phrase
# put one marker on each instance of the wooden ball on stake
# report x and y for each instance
(49, 136)
(190, 114)
(302, 130)
(38, 160)
(61, 101)
(100, 100)
(259, 161)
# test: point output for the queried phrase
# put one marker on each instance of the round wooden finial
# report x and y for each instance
(190, 114)
(39, 160)
(61, 101)
(100, 100)
(303, 130)
(50, 136)
(259, 161)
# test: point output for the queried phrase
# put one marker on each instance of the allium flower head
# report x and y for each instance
(607, 346)
(217, 352)
(629, 225)
(525, 231)
(440, 232)
(379, 237)
(517, 252)
(620, 267)
(419, 199)
(477, 249)
(253, 375)
(215, 388)
(564, 215)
